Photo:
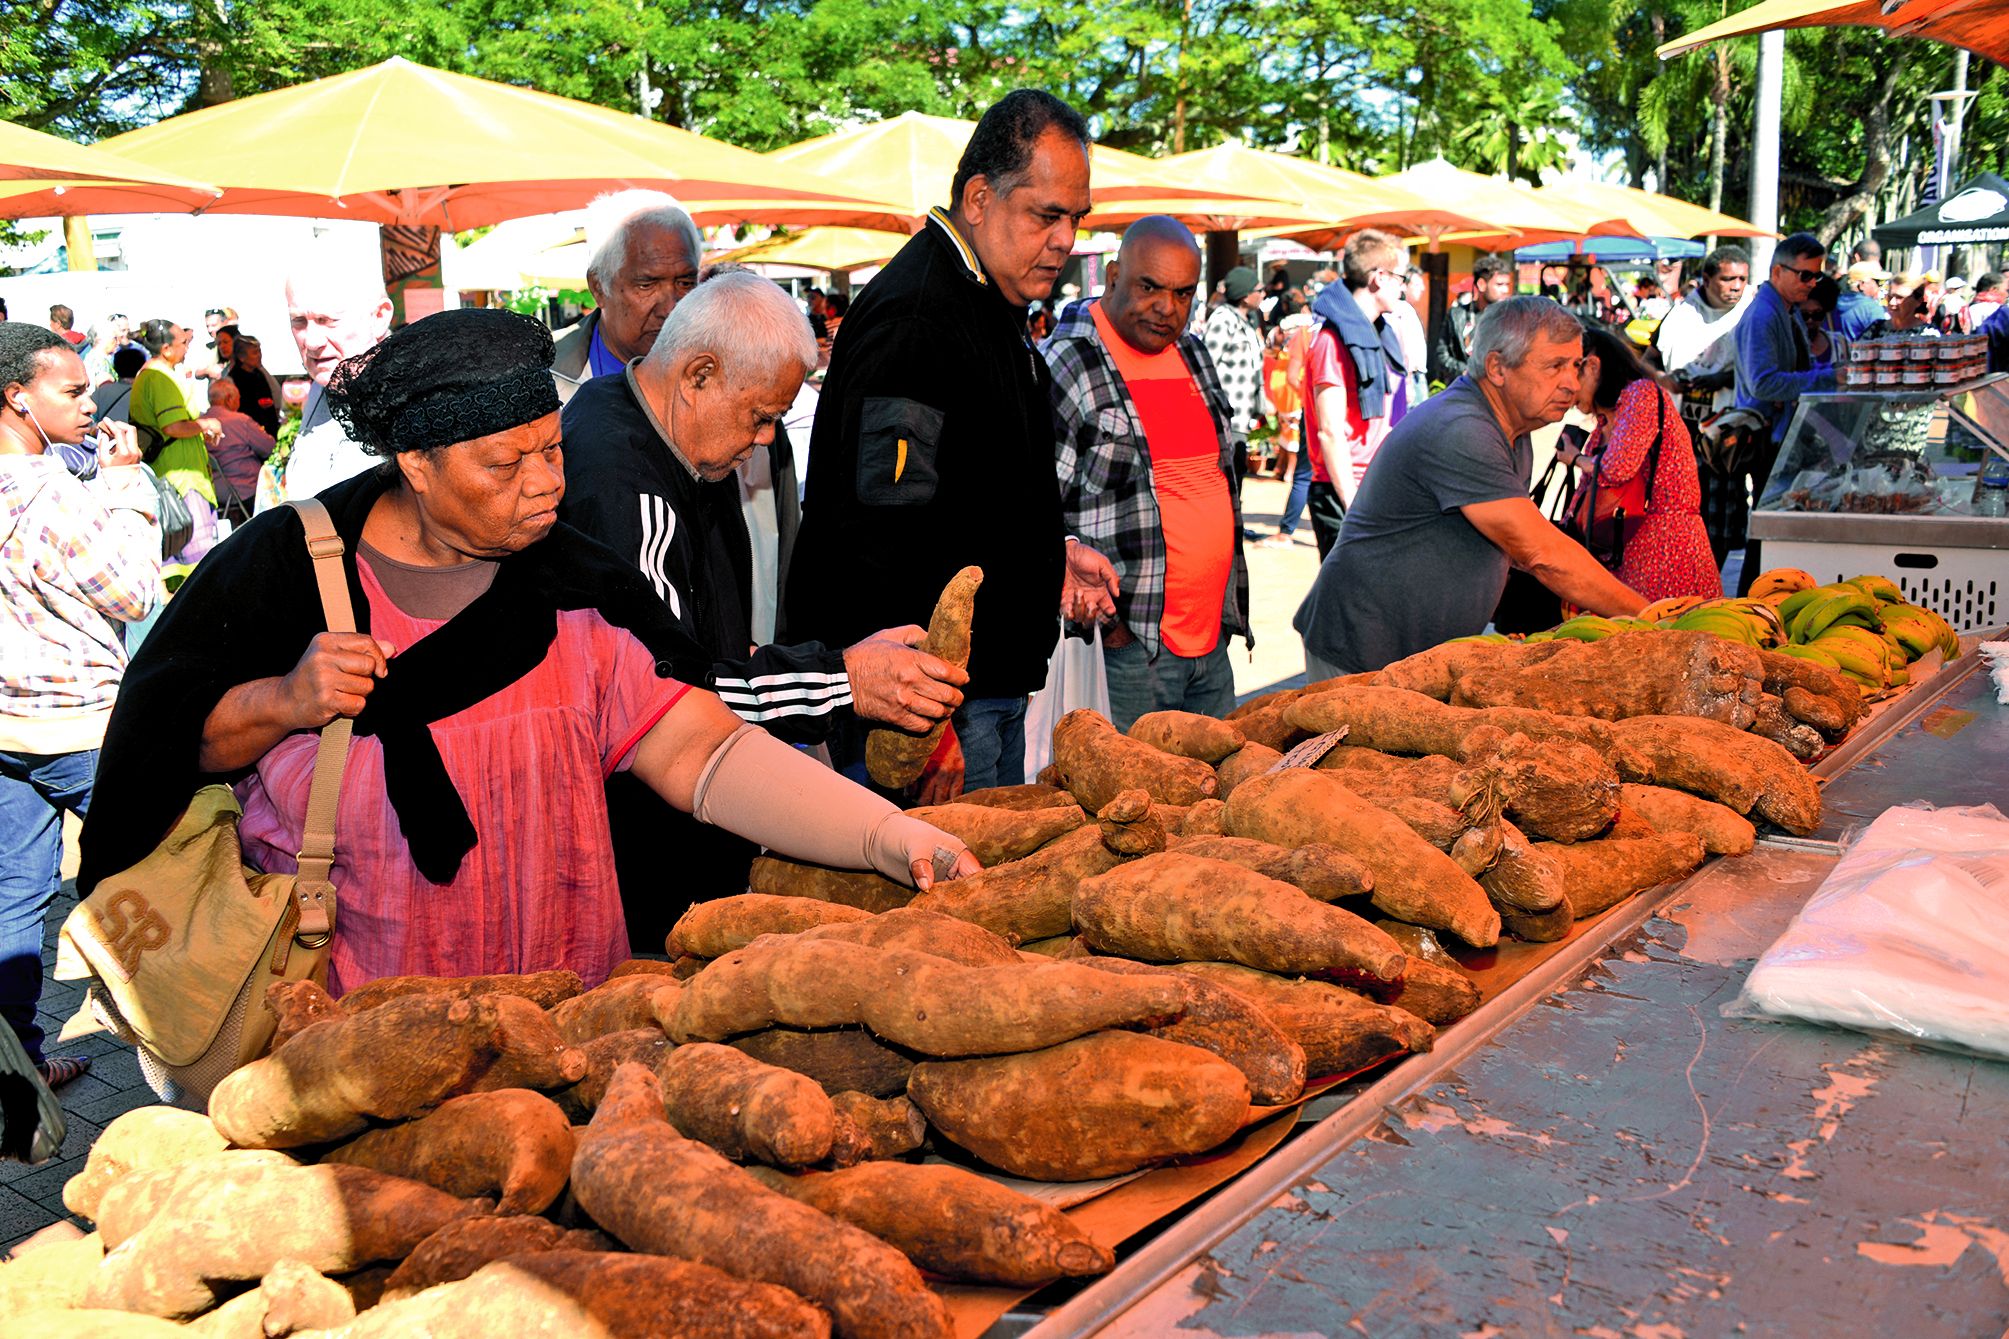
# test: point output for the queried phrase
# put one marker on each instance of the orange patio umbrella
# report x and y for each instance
(1981, 26)
(35, 164)
(1630, 212)
(1316, 200)
(401, 143)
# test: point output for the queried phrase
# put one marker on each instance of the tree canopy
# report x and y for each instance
(1493, 85)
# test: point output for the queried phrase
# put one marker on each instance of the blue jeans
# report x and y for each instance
(992, 733)
(1204, 684)
(1300, 490)
(35, 790)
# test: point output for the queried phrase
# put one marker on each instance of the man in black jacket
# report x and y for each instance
(934, 442)
(1492, 281)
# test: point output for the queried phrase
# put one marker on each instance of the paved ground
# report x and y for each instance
(32, 1197)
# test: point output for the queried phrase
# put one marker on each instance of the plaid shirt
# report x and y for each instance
(75, 560)
(1105, 471)
(1237, 351)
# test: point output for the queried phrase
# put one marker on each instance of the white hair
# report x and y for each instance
(611, 217)
(336, 275)
(746, 322)
(1511, 327)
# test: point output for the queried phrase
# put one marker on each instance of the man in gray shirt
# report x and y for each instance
(1444, 510)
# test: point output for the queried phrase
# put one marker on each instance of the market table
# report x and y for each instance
(1599, 1151)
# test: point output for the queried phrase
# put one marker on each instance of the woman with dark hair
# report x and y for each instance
(503, 667)
(1670, 553)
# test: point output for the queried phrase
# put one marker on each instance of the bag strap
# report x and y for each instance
(1659, 436)
(317, 838)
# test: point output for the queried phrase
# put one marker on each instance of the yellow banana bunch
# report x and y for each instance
(1777, 584)
(1674, 606)
(1881, 589)
(1919, 630)
(1585, 628)
(1720, 619)
(1810, 653)
(1858, 653)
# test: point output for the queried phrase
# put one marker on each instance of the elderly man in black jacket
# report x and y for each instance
(934, 441)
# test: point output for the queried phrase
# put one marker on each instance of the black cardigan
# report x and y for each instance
(249, 611)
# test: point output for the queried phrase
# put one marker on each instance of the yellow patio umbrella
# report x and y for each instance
(34, 165)
(835, 249)
(1981, 26)
(911, 160)
(1310, 196)
(1515, 215)
(1629, 212)
(402, 143)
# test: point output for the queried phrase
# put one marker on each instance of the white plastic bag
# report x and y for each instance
(1075, 677)
(1909, 935)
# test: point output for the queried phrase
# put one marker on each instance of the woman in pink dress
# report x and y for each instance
(505, 666)
(1669, 555)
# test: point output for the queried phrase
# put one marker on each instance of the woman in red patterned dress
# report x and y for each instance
(1670, 553)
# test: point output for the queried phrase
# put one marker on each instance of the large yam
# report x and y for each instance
(1188, 734)
(145, 1140)
(1392, 720)
(1183, 908)
(546, 990)
(1028, 796)
(894, 758)
(744, 1108)
(1438, 993)
(996, 835)
(1661, 672)
(1249, 760)
(643, 1046)
(841, 1060)
(1723, 830)
(1341, 1032)
(1232, 1027)
(932, 932)
(861, 888)
(1435, 672)
(1097, 764)
(1524, 878)
(1025, 899)
(462, 1247)
(512, 1145)
(1318, 870)
(912, 1000)
(952, 1222)
(666, 1195)
(1099, 1105)
(709, 929)
(618, 1005)
(1413, 881)
(1730, 766)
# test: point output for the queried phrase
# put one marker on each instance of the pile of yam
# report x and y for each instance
(796, 1125)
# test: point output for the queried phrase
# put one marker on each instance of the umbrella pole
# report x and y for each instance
(1436, 281)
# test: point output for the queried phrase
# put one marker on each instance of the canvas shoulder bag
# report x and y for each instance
(180, 948)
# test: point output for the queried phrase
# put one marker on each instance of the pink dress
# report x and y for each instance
(538, 889)
(1670, 554)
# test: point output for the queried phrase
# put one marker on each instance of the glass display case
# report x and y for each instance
(1907, 482)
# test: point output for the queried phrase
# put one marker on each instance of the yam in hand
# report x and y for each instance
(996, 835)
(1717, 762)
(923, 931)
(1187, 734)
(912, 1000)
(1099, 1105)
(665, 1195)
(717, 927)
(1096, 764)
(241, 1219)
(512, 1145)
(1723, 830)
(894, 758)
(1025, 899)
(864, 889)
(1183, 908)
(1341, 1032)
(745, 1108)
(952, 1222)
(1413, 880)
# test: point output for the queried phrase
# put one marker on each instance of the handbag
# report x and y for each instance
(1526, 605)
(180, 948)
(176, 521)
(1075, 677)
(1605, 519)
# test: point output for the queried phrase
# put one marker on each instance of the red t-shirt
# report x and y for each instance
(1194, 506)
(1327, 365)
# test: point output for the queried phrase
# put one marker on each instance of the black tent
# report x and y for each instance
(1977, 212)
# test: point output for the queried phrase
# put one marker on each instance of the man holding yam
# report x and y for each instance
(1444, 512)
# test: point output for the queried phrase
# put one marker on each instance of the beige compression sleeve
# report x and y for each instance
(761, 789)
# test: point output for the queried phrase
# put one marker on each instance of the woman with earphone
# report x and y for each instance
(79, 558)
(175, 441)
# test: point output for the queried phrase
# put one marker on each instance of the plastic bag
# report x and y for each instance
(1908, 935)
(1075, 677)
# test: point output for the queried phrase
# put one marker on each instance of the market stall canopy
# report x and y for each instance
(33, 164)
(1977, 212)
(405, 144)
(1981, 26)
(1461, 206)
(1612, 250)
(1243, 189)
(911, 161)
(828, 249)
(1629, 212)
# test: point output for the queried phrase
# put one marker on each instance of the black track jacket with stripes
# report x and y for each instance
(624, 487)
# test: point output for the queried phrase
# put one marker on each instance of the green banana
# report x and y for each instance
(1810, 653)
(1858, 651)
(1585, 628)
(1913, 629)
(1817, 618)
(1725, 623)
(1800, 599)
